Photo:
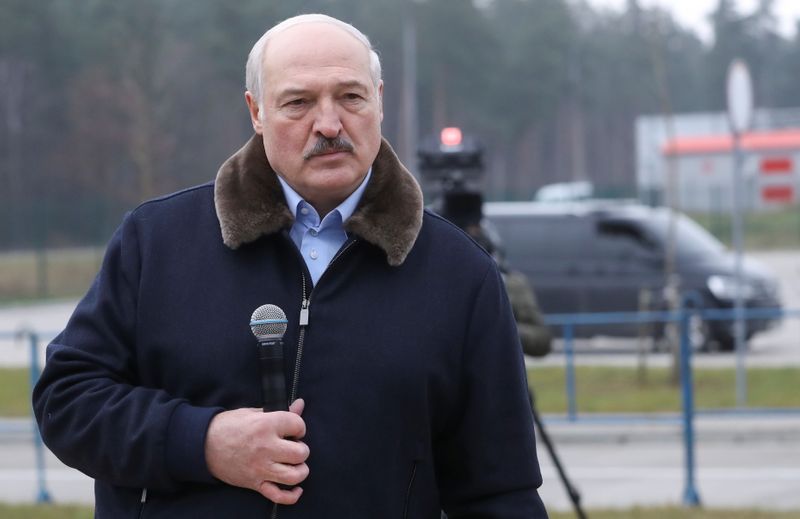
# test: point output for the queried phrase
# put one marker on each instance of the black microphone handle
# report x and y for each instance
(273, 378)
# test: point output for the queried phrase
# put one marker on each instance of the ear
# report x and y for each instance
(255, 112)
(380, 98)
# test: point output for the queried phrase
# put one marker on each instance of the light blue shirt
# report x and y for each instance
(319, 241)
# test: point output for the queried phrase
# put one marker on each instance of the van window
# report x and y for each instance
(624, 237)
(547, 237)
(692, 240)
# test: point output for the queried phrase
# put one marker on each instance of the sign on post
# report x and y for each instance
(740, 116)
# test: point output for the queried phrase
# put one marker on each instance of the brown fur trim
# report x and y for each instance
(250, 203)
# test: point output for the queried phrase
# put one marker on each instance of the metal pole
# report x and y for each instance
(42, 496)
(408, 115)
(569, 352)
(690, 495)
(739, 332)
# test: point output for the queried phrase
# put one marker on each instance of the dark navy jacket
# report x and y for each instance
(410, 365)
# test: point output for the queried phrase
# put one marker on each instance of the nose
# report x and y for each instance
(327, 122)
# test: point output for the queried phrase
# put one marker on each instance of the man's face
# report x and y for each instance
(321, 112)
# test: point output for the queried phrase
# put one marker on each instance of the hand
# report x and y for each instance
(251, 449)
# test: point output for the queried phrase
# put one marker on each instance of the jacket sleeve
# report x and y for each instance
(487, 462)
(91, 409)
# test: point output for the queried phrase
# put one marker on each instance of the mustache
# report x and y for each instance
(328, 145)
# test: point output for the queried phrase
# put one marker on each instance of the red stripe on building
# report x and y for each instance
(778, 194)
(776, 165)
(775, 140)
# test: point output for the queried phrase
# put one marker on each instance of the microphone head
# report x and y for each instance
(268, 322)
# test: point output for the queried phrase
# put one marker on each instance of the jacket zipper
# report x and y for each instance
(142, 501)
(303, 322)
(304, 318)
(408, 491)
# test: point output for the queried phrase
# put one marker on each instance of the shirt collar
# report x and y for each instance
(345, 209)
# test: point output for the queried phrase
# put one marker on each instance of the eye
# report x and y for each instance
(352, 96)
(295, 103)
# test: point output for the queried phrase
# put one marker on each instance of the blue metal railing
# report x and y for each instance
(567, 322)
(681, 316)
(42, 494)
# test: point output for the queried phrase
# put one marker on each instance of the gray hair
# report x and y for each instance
(254, 73)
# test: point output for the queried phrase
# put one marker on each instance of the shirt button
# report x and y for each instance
(314, 255)
(304, 210)
(313, 232)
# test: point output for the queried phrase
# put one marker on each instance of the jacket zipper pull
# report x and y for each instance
(304, 313)
(143, 499)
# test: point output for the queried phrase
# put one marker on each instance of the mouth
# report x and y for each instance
(328, 154)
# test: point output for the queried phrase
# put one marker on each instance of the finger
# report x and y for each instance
(291, 452)
(298, 406)
(277, 495)
(291, 426)
(289, 475)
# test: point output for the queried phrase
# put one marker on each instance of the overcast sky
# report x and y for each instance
(693, 13)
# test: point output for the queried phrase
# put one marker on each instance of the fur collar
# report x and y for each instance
(250, 203)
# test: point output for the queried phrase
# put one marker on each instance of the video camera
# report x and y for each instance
(453, 164)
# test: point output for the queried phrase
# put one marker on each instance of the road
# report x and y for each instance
(747, 462)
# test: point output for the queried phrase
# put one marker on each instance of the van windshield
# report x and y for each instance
(692, 240)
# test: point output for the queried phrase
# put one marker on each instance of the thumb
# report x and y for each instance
(297, 406)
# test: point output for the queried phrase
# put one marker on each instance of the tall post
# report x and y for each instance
(739, 330)
(569, 350)
(42, 495)
(740, 116)
(408, 113)
(690, 495)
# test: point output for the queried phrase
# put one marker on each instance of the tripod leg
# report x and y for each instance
(574, 496)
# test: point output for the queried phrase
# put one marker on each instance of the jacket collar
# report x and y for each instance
(250, 203)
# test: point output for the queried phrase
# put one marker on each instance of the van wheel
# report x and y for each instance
(728, 343)
(699, 336)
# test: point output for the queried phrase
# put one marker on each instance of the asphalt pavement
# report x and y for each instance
(750, 460)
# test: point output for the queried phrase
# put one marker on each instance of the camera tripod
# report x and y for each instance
(573, 494)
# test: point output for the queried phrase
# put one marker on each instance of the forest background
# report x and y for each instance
(106, 104)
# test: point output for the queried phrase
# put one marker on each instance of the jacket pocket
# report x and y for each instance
(410, 487)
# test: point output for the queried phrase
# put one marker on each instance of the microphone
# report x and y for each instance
(268, 324)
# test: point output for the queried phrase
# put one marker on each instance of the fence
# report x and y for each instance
(567, 322)
(681, 317)
(42, 494)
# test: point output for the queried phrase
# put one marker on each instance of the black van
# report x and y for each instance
(598, 256)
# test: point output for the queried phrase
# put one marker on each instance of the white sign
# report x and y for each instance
(740, 97)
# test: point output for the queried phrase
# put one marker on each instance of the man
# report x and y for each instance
(404, 371)
(534, 335)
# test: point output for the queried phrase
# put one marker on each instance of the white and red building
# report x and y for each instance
(698, 161)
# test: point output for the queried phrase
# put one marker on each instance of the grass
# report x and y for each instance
(32, 275)
(77, 512)
(15, 400)
(600, 389)
(45, 512)
(605, 389)
(679, 513)
(778, 229)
